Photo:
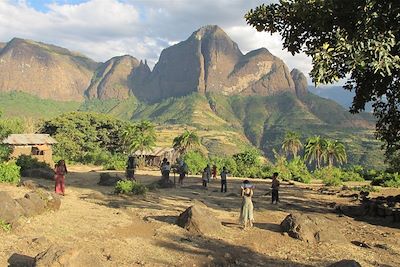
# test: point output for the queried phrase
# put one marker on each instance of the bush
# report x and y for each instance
(335, 176)
(127, 186)
(5, 152)
(27, 162)
(387, 180)
(115, 162)
(330, 176)
(299, 171)
(9, 173)
(196, 162)
(6, 227)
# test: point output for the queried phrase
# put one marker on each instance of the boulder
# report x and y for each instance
(29, 208)
(30, 184)
(311, 228)
(53, 201)
(38, 198)
(10, 210)
(37, 202)
(39, 173)
(345, 263)
(108, 180)
(56, 256)
(197, 219)
(165, 183)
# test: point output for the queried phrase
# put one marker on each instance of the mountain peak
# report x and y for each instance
(300, 82)
(209, 30)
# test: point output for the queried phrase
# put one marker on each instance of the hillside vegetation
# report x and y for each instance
(227, 124)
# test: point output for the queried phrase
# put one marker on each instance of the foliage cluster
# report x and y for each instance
(387, 180)
(362, 42)
(26, 162)
(6, 227)
(92, 138)
(9, 173)
(335, 176)
(130, 187)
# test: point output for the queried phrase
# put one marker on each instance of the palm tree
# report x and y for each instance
(189, 139)
(291, 143)
(139, 137)
(314, 149)
(335, 150)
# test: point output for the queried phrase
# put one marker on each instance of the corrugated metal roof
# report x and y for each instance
(156, 152)
(29, 139)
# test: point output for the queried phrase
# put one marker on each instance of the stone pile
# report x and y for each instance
(33, 203)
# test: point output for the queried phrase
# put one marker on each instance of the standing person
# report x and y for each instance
(275, 188)
(246, 210)
(163, 166)
(208, 172)
(183, 170)
(224, 175)
(204, 177)
(131, 167)
(60, 170)
(214, 172)
(166, 169)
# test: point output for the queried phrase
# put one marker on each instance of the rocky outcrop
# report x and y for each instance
(209, 61)
(64, 256)
(33, 203)
(197, 219)
(44, 70)
(310, 228)
(112, 79)
(300, 82)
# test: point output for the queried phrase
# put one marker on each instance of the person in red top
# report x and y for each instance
(214, 172)
(60, 170)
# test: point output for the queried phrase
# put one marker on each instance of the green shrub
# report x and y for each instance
(365, 188)
(387, 180)
(9, 173)
(115, 162)
(299, 171)
(5, 152)
(350, 176)
(330, 176)
(371, 174)
(27, 162)
(6, 227)
(127, 186)
(196, 162)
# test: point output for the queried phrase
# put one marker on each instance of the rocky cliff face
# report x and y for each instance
(300, 82)
(209, 61)
(112, 79)
(44, 70)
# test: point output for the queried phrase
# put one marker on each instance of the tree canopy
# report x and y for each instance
(358, 40)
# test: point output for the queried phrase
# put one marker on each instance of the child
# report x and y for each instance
(224, 175)
(165, 170)
(275, 188)
(205, 177)
(246, 210)
(214, 172)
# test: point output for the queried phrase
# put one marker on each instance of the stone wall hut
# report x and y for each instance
(155, 156)
(36, 145)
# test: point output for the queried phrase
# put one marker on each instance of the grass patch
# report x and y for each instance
(6, 227)
(130, 187)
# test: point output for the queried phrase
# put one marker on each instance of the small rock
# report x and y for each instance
(345, 263)
(227, 255)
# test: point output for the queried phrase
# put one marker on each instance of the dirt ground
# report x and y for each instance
(141, 231)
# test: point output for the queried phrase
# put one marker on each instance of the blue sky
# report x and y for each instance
(101, 29)
(41, 5)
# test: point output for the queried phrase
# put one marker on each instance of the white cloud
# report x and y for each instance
(102, 29)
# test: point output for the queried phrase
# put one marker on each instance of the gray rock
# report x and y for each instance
(311, 228)
(199, 220)
(10, 210)
(345, 263)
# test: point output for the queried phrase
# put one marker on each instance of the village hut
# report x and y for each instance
(38, 146)
(155, 156)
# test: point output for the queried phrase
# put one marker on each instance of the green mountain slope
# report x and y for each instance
(227, 124)
(19, 104)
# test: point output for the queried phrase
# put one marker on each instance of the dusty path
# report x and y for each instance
(140, 231)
